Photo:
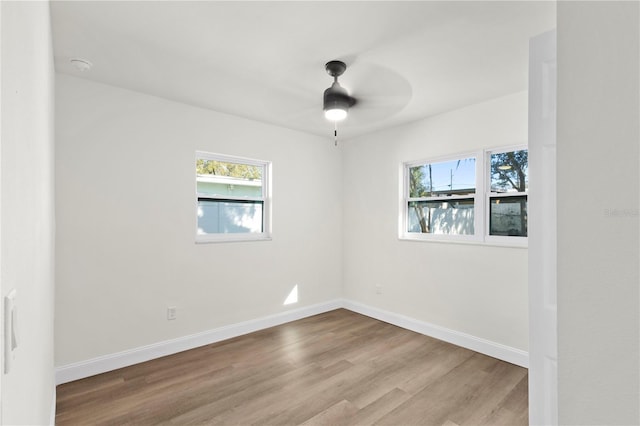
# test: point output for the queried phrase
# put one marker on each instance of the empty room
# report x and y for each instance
(467, 248)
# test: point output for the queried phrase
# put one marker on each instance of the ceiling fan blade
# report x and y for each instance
(379, 91)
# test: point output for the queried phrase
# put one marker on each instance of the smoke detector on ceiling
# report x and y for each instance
(80, 64)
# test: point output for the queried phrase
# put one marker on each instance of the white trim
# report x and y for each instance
(230, 158)
(444, 158)
(505, 241)
(442, 238)
(483, 346)
(126, 358)
(488, 243)
(543, 222)
(265, 183)
(478, 202)
(52, 416)
(482, 202)
(228, 180)
(228, 197)
(91, 367)
(229, 238)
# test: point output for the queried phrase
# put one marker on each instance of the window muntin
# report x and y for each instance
(507, 193)
(232, 198)
(440, 198)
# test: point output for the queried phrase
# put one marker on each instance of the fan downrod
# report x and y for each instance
(335, 68)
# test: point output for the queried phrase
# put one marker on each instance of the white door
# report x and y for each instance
(543, 329)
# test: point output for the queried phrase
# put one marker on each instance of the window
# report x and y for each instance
(233, 202)
(441, 198)
(507, 195)
(474, 197)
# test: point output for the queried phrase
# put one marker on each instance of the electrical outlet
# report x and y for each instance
(379, 289)
(172, 313)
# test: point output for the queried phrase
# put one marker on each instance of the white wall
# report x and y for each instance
(474, 289)
(598, 250)
(27, 207)
(125, 206)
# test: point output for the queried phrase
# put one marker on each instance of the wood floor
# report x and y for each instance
(338, 368)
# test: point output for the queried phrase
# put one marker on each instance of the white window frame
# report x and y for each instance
(482, 199)
(500, 239)
(265, 235)
(478, 201)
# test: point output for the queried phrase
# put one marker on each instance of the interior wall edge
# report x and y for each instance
(52, 417)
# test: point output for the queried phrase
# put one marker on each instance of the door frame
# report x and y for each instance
(542, 210)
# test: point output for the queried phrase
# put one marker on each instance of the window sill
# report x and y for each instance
(231, 238)
(522, 243)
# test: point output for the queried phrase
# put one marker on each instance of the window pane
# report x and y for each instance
(224, 178)
(454, 217)
(509, 171)
(508, 216)
(229, 216)
(442, 179)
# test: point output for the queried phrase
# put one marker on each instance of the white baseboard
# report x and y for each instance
(106, 363)
(110, 362)
(487, 347)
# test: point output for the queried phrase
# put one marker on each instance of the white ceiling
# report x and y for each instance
(265, 60)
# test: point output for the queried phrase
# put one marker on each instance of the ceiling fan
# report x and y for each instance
(381, 93)
(336, 99)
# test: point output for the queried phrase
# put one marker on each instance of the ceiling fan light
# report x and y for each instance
(335, 114)
(336, 102)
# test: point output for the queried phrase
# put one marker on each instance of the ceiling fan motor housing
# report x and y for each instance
(336, 96)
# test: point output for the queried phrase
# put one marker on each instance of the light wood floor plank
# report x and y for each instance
(336, 414)
(378, 408)
(338, 368)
